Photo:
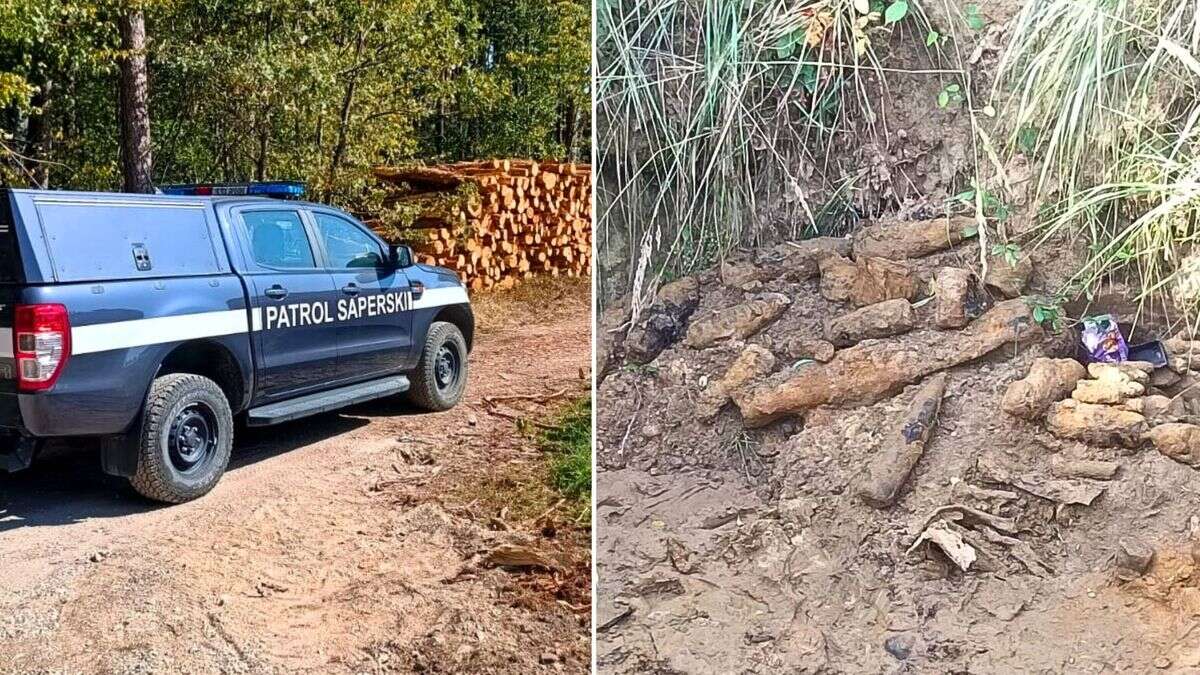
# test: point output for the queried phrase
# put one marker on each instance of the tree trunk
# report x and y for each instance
(134, 93)
(343, 131)
(38, 138)
(260, 164)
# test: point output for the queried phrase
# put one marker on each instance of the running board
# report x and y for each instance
(325, 401)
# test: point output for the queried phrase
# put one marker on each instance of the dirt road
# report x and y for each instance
(347, 542)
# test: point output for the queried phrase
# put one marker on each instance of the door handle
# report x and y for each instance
(276, 292)
(350, 289)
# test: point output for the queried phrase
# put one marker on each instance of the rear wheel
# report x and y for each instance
(185, 438)
(441, 376)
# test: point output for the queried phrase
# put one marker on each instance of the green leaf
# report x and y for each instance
(953, 88)
(895, 11)
(786, 45)
(974, 18)
(943, 98)
(966, 196)
(1027, 139)
(970, 231)
(932, 38)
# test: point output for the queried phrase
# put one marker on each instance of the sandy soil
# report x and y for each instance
(730, 550)
(348, 542)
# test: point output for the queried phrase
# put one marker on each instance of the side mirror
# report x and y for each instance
(401, 255)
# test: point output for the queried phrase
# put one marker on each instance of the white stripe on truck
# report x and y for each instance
(436, 297)
(104, 337)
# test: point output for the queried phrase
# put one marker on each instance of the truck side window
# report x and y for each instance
(346, 244)
(277, 239)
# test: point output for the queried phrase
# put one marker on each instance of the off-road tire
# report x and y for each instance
(171, 396)
(425, 392)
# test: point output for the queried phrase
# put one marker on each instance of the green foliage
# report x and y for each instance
(1010, 252)
(569, 442)
(993, 207)
(950, 94)
(1047, 314)
(974, 17)
(272, 89)
(895, 12)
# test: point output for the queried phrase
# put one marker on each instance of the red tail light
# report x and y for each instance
(41, 344)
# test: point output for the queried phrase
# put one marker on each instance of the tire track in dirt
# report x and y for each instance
(345, 542)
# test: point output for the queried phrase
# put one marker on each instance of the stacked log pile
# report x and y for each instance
(495, 222)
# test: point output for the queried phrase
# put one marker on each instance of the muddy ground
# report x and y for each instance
(725, 549)
(351, 542)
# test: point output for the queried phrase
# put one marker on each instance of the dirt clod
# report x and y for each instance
(900, 646)
(1133, 557)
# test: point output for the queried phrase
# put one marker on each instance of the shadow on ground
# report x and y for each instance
(65, 483)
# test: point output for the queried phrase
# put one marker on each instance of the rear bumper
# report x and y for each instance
(51, 414)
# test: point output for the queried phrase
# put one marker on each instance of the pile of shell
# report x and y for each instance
(1128, 404)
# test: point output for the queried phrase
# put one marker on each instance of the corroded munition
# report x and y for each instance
(891, 469)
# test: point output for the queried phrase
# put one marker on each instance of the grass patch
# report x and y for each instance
(1103, 94)
(711, 114)
(568, 441)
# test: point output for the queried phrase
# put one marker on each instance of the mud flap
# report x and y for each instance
(20, 455)
(119, 455)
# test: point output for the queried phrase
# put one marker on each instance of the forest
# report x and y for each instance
(116, 94)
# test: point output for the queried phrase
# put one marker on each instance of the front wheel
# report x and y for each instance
(185, 438)
(441, 376)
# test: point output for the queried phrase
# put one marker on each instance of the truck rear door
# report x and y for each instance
(292, 298)
(374, 306)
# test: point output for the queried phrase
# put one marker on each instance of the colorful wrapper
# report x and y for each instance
(1103, 339)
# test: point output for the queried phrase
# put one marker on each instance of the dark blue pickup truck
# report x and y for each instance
(151, 321)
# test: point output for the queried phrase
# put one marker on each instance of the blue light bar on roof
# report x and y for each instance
(280, 189)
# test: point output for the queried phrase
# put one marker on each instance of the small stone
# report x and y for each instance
(222, 600)
(548, 658)
(98, 556)
(472, 420)
(899, 646)
(1133, 557)
(1162, 663)
(651, 431)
